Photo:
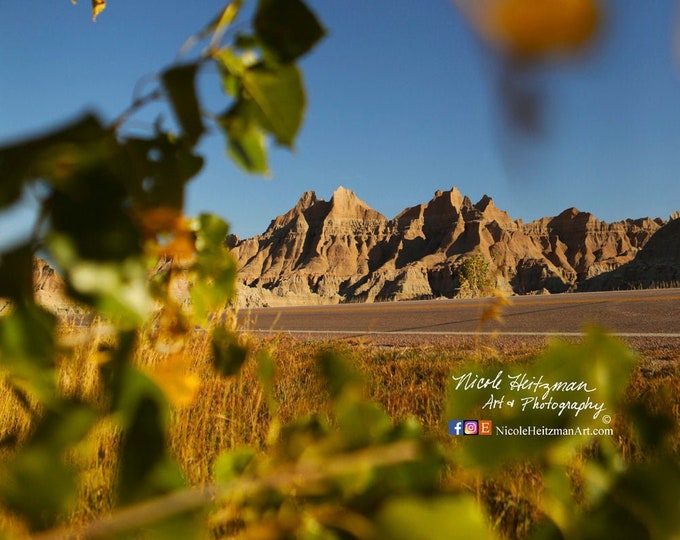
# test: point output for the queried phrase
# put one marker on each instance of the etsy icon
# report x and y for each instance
(485, 427)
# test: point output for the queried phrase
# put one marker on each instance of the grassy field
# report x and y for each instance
(213, 413)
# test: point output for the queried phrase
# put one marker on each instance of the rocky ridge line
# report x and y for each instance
(342, 250)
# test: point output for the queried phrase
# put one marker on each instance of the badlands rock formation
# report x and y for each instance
(48, 288)
(342, 250)
(657, 264)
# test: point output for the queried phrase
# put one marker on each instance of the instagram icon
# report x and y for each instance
(470, 427)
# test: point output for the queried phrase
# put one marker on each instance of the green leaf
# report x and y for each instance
(362, 423)
(119, 291)
(129, 386)
(650, 491)
(642, 501)
(266, 371)
(245, 138)
(93, 214)
(338, 373)
(218, 25)
(211, 232)
(63, 426)
(287, 28)
(116, 373)
(56, 156)
(279, 93)
(440, 518)
(179, 82)
(145, 468)
(16, 273)
(164, 165)
(225, 20)
(52, 485)
(27, 344)
(231, 464)
(245, 41)
(228, 354)
(214, 270)
(230, 64)
(653, 427)
(299, 436)
(37, 481)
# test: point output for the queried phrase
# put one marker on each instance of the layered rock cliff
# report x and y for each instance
(48, 288)
(657, 264)
(341, 250)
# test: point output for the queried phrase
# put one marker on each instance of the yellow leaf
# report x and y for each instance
(491, 313)
(179, 242)
(153, 221)
(174, 377)
(494, 312)
(530, 29)
(97, 7)
(181, 248)
(501, 298)
(172, 330)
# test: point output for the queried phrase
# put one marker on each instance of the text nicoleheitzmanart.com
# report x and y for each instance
(542, 400)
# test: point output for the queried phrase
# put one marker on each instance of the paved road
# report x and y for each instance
(647, 313)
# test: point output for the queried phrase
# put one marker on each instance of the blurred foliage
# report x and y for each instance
(527, 39)
(534, 30)
(111, 220)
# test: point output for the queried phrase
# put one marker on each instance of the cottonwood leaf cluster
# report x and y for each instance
(111, 220)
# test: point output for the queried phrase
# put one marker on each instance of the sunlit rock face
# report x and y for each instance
(656, 265)
(342, 250)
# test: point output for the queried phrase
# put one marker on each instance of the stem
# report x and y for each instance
(137, 104)
(291, 478)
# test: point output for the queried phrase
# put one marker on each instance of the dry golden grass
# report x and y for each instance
(231, 412)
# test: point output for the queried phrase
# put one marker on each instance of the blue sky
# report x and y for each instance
(403, 101)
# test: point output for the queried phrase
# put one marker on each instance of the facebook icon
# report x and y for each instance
(455, 427)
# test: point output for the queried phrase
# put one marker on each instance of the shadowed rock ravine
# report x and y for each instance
(342, 250)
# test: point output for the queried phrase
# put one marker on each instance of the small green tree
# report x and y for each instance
(475, 277)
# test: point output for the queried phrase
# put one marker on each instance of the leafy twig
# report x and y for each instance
(287, 479)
